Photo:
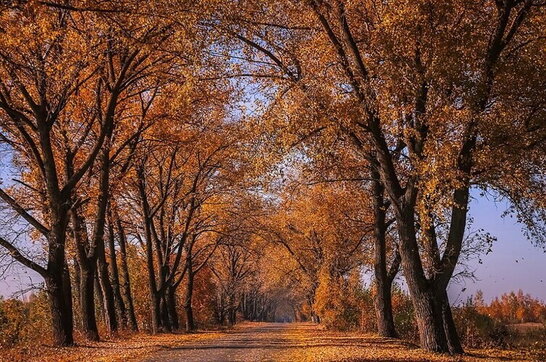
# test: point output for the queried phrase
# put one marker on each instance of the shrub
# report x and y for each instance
(22, 323)
(337, 301)
(479, 330)
(404, 316)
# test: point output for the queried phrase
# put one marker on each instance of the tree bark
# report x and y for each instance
(60, 318)
(87, 302)
(126, 281)
(98, 239)
(114, 273)
(108, 294)
(99, 297)
(171, 305)
(58, 281)
(428, 308)
(87, 269)
(453, 341)
(190, 324)
(155, 312)
(383, 282)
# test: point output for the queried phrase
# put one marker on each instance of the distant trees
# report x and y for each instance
(514, 308)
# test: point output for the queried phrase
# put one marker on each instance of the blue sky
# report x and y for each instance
(514, 263)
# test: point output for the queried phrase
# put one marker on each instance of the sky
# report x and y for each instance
(513, 264)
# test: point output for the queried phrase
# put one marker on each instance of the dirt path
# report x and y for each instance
(262, 342)
(308, 342)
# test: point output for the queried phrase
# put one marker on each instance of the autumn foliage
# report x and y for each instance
(175, 165)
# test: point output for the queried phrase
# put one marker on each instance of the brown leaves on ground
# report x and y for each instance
(300, 342)
(121, 348)
(322, 345)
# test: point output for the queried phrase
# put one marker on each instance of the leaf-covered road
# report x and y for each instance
(253, 343)
(308, 342)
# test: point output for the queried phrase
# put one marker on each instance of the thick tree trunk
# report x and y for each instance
(77, 282)
(190, 324)
(98, 238)
(171, 305)
(87, 270)
(87, 300)
(428, 313)
(428, 307)
(61, 320)
(58, 282)
(67, 291)
(383, 308)
(99, 298)
(155, 312)
(164, 313)
(383, 281)
(453, 341)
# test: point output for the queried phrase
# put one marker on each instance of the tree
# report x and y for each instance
(44, 67)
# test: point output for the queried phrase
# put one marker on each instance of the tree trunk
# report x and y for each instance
(155, 312)
(164, 313)
(428, 314)
(107, 292)
(232, 315)
(190, 324)
(98, 238)
(87, 300)
(99, 297)
(60, 318)
(383, 308)
(453, 341)
(383, 282)
(428, 308)
(118, 301)
(67, 292)
(126, 281)
(77, 282)
(171, 305)
(87, 270)
(58, 282)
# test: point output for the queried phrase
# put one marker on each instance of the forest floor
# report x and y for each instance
(258, 342)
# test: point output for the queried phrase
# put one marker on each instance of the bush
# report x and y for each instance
(478, 330)
(404, 316)
(337, 301)
(22, 323)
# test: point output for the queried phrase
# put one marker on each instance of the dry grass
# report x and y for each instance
(526, 327)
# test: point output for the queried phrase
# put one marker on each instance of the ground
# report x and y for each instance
(257, 342)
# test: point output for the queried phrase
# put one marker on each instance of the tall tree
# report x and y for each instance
(45, 64)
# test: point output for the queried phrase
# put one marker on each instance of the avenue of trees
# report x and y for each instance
(175, 164)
